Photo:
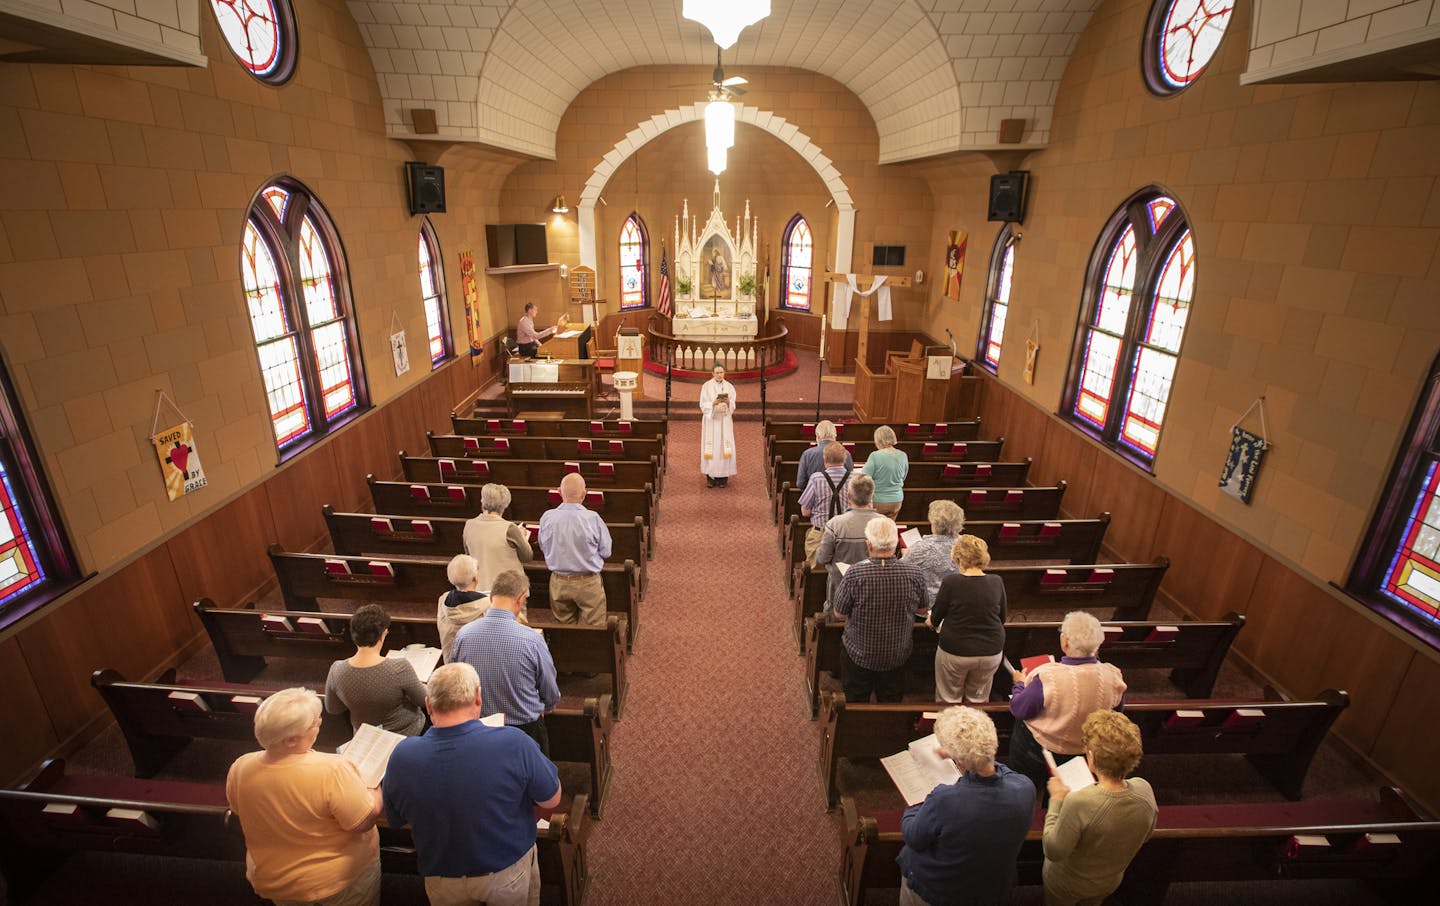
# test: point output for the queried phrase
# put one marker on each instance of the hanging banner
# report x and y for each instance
(179, 461)
(470, 290)
(955, 263)
(1242, 464)
(399, 353)
(1032, 349)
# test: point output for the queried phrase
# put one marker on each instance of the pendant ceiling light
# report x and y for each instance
(719, 123)
(716, 157)
(725, 18)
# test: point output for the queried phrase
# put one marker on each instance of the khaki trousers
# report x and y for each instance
(812, 544)
(363, 891)
(515, 885)
(578, 599)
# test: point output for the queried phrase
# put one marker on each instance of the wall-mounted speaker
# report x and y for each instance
(427, 187)
(1008, 196)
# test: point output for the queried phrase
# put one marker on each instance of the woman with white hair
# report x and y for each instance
(1053, 700)
(962, 841)
(309, 821)
(495, 544)
(931, 554)
(888, 465)
(466, 603)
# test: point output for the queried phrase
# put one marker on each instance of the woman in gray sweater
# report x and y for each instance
(373, 688)
(1092, 834)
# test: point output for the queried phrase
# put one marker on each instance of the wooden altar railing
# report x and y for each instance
(701, 355)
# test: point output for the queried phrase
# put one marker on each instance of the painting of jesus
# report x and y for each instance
(715, 269)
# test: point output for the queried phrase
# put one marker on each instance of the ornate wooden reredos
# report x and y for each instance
(714, 277)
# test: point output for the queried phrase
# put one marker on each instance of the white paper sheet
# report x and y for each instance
(424, 659)
(370, 751)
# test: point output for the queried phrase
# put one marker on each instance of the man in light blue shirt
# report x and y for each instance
(575, 543)
(512, 660)
(811, 461)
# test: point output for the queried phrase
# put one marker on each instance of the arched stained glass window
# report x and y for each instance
(35, 557)
(297, 297)
(1180, 38)
(1137, 303)
(261, 34)
(797, 265)
(997, 298)
(432, 294)
(634, 252)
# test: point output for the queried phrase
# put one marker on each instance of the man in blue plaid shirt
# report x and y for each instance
(880, 599)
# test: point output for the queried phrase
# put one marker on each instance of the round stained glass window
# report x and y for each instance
(261, 34)
(1180, 39)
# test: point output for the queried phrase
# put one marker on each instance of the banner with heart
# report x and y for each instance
(179, 461)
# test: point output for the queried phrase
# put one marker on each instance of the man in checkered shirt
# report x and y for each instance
(512, 660)
(880, 599)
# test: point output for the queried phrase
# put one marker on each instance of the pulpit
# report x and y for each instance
(915, 387)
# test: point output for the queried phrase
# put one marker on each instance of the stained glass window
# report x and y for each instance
(34, 555)
(797, 264)
(997, 298)
(1136, 311)
(261, 34)
(633, 290)
(304, 335)
(432, 295)
(1181, 38)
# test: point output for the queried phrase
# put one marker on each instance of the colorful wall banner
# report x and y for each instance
(955, 263)
(470, 289)
(1242, 464)
(179, 460)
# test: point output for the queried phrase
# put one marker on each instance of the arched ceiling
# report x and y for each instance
(936, 75)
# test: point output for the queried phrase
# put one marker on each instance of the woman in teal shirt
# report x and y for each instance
(888, 466)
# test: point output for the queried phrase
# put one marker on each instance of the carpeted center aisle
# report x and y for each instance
(715, 797)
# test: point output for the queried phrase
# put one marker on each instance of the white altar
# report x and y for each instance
(697, 323)
(715, 269)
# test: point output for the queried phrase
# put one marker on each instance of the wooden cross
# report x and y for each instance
(862, 281)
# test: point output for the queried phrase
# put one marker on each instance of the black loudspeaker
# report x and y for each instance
(1007, 196)
(427, 187)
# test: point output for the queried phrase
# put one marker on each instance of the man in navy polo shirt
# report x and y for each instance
(469, 794)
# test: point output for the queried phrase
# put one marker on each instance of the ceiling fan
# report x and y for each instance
(719, 84)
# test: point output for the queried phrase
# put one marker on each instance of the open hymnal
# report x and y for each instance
(567, 334)
(909, 537)
(1074, 773)
(842, 567)
(920, 769)
(370, 751)
(423, 658)
(494, 720)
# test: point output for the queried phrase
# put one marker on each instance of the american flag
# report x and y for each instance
(664, 304)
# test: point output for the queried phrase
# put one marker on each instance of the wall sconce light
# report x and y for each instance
(558, 205)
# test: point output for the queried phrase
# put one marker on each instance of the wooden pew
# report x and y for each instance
(640, 428)
(916, 450)
(193, 820)
(1072, 540)
(1280, 743)
(243, 640)
(527, 504)
(357, 534)
(930, 474)
(775, 431)
(1191, 651)
(1129, 588)
(531, 472)
(520, 446)
(157, 727)
(1240, 842)
(305, 577)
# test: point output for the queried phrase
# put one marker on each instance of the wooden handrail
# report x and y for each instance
(700, 355)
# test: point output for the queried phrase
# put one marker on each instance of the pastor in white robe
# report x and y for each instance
(717, 431)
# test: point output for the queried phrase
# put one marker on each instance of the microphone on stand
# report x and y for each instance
(954, 351)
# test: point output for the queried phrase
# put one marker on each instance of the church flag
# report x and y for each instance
(664, 303)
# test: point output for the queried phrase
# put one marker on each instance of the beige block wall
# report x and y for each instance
(1316, 216)
(125, 192)
(893, 206)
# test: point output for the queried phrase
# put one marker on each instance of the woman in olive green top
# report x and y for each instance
(888, 466)
(1092, 834)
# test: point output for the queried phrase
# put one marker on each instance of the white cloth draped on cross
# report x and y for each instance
(840, 312)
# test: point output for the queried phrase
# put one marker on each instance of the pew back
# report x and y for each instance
(530, 472)
(527, 504)
(502, 446)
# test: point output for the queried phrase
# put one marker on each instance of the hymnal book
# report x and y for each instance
(188, 701)
(423, 658)
(312, 624)
(337, 567)
(1369, 841)
(920, 769)
(1162, 633)
(842, 567)
(381, 526)
(1028, 664)
(422, 527)
(1303, 846)
(275, 623)
(1184, 720)
(370, 751)
(1074, 773)
(1243, 718)
(909, 537)
(134, 817)
(381, 568)
(246, 704)
(494, 720)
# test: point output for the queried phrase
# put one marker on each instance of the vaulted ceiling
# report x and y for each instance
(936, 75)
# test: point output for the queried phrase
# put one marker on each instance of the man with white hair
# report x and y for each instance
(575, 543)
(309, 821)
(880, 598)
(966, 835)
(1052, 701)
(469, 793)
(812, 460)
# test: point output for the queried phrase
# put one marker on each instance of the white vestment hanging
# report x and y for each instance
(844, 292)
(717, 431)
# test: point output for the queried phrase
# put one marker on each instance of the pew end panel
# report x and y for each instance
(234, 666)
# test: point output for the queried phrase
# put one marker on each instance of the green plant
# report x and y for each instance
(683, 284)
(746, 284)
